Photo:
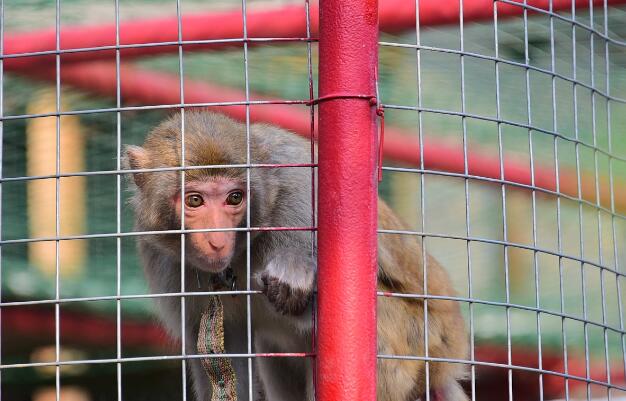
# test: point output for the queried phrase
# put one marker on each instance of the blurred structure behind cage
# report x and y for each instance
(521, 193)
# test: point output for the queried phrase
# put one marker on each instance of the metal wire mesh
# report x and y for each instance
(597, 260)
(537, 261)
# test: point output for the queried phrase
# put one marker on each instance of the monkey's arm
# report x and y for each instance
(288, 258)
(288, 274)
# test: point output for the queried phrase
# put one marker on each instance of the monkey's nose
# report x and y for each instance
(217, 243)
(216, 247)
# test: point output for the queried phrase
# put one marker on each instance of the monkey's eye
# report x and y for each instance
(194, 200)
(234, 198)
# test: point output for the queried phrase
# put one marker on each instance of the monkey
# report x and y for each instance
(282, 262)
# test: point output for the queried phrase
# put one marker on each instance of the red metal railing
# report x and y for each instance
(160, 36)
(152, 88)
(394, 15)
(219, 29)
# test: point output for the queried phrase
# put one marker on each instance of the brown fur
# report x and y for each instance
(163, 148)
(275, 201)
(401, 380)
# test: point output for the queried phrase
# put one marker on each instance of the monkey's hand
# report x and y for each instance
(290, 291)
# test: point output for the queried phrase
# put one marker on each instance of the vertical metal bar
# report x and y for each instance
(503, 190)
(307, 9)
(468, 230)
(533, 200)
(183, 270)
(118, 201)
(244, 15)
(559, 235)
(57, 225)
(592, 57)
(580, 197)
(607, 71)
(420, 135)
(348, 53)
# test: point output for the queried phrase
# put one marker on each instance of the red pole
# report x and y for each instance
(346, 332)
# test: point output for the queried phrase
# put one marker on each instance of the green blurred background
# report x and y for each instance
(431, 204)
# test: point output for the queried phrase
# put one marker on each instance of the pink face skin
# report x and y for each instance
(215, 203)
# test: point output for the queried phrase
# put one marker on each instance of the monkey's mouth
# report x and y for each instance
(213, 265)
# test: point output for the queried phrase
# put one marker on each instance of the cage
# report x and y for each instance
(504, 153)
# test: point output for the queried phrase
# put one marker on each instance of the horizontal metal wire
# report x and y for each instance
(159, 358)
(507, 244)
(504, 366)
(242, 40)
(163, 358)
(125, 297)
(509, 183)
(382, 294)
(313, 165)
(512, 63)
(155, 44)
(510, 123)
(510, 305)
(563, 18)
(261, 229)
(154, 170)
(382, 43)
(177, 106)
(306, 102)
(155, 232)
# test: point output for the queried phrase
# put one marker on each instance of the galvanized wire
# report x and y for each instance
(599, 38)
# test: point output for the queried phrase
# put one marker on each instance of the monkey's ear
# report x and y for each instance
(136, 158)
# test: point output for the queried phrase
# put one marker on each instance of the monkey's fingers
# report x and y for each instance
(292, 301)
(298, 301)
(270, 288)
(286, 300)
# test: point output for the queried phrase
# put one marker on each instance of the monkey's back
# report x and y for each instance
(401, 320)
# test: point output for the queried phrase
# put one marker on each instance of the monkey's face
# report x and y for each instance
(212, 204)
